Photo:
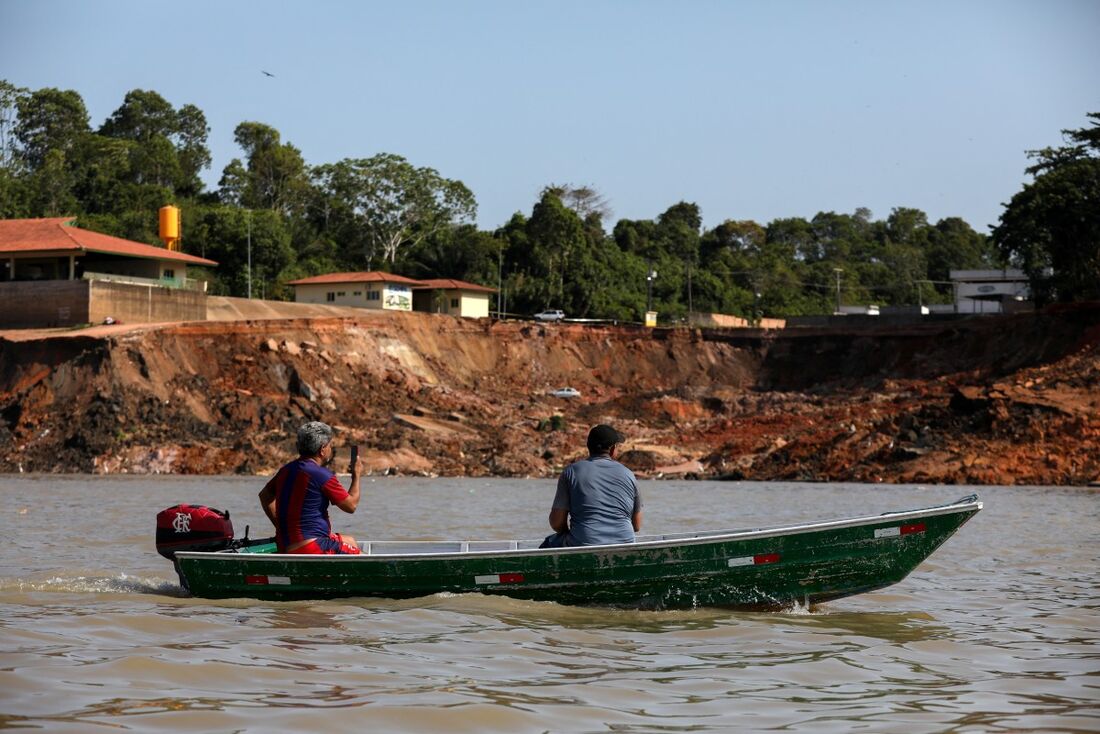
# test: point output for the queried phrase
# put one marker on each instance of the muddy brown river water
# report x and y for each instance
(997, 631)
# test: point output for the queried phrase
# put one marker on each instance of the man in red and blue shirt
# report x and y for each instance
(297, 498)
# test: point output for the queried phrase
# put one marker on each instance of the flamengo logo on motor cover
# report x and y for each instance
(182, 523)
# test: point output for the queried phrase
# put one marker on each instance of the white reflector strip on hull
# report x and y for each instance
(917, 527)
(266, 580)
(757, 560)
(499, 578)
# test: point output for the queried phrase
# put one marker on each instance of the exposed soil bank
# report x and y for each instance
(1006, 400)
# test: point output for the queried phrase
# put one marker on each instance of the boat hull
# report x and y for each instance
(771, 567)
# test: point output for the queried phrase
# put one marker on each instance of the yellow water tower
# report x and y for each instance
(170, 226)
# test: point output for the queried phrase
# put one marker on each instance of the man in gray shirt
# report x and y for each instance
(597, 501)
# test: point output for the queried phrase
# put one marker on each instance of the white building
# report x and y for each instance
(455, 297)
(990, 291)
(371, 289)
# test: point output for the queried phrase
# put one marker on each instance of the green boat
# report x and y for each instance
(768, 567)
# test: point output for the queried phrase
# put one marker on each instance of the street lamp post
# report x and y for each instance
(649, 278)
(838, 271)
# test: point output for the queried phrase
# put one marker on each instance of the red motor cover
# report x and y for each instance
(192, 528)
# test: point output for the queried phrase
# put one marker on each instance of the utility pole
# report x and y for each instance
(500, 279)
(248, 216)
(690, 308)
(838, 271)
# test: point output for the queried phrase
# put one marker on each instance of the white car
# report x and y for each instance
(549, 316)
(566, 392)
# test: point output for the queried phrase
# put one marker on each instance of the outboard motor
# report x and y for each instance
(192, 528)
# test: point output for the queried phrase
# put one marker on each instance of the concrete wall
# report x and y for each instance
(26, 304)
(50, 303)
(863, 321)
(719, 320)
(144, 303)
(227, 308)
(727, 321)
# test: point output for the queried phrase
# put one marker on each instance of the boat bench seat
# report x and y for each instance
(416, 547)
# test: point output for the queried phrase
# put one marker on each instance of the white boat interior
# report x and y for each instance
(452, 547)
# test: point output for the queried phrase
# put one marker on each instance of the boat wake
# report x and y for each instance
(798, 609)
(121, 584)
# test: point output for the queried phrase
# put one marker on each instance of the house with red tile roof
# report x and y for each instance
(372, 289)
(455, 297)
(377, 290)
(53, 273)
(54, 249)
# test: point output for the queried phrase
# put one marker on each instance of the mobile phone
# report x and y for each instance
(354, 455)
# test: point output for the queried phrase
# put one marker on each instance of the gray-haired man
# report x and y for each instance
(297, 498)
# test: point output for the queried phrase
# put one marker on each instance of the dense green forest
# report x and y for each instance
(385, 213)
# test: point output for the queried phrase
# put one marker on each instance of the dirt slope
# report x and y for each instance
(1004, 400)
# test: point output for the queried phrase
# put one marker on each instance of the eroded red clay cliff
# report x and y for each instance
(996, 400)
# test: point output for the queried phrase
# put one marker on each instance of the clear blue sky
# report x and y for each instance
(753, 110)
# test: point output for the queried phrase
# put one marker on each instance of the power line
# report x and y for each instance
(827, 286)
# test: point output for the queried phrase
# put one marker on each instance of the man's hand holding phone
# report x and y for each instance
(354, 461)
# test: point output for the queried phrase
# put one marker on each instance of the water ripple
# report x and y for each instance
(997, 632)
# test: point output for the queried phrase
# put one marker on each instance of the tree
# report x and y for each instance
(104, 184)
(170, 146)
(233, 183)
(9, 111)
(50, 120)
(51, 186)
(637, 237)
(52, 126)
(224, 233)
(953, 244)
(390, 204)
(275, 176)
(835, 237)
(463, 252)
(678, 228)
(1053, 224)
(554, 233)
(14, 193)
(790, 238)
(735, 258)
(194, 155)
(584, 200)
(904, 224)
(744, 239)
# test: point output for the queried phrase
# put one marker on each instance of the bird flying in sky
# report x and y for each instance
(266, 73)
